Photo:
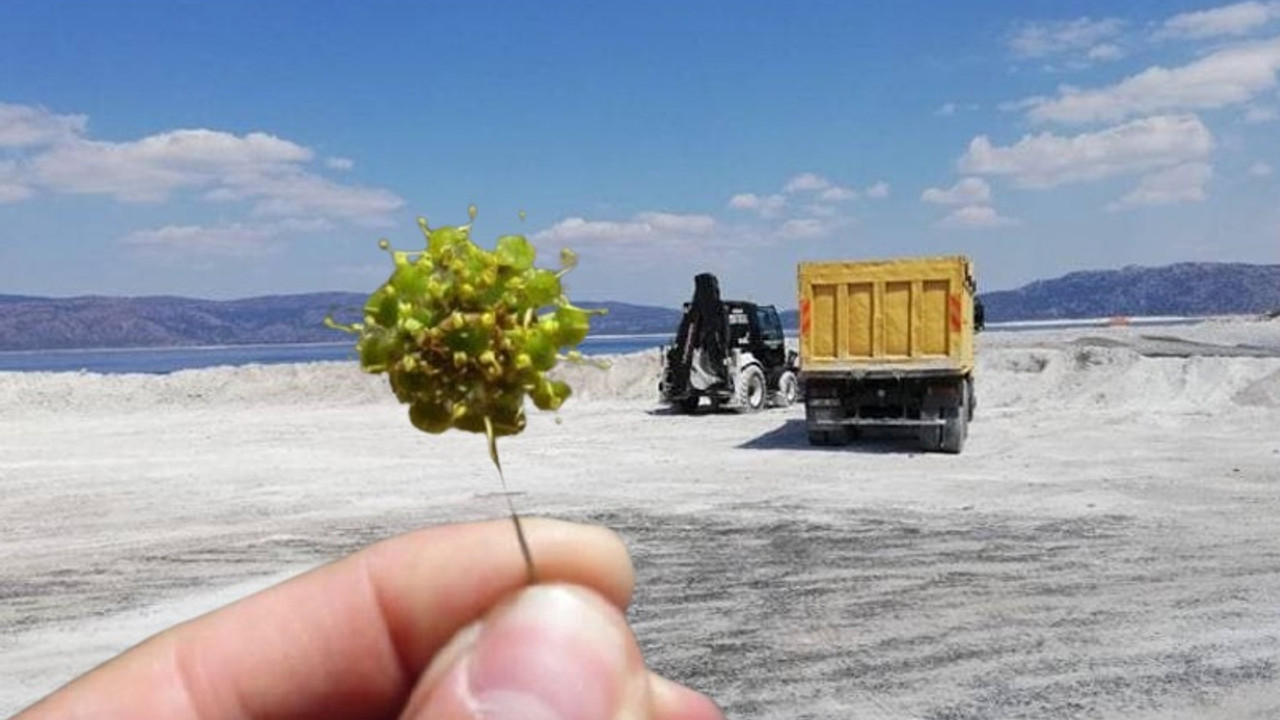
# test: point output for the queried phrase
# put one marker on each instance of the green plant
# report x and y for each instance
(465, 334)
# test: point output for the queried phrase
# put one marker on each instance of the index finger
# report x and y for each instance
(348, 639)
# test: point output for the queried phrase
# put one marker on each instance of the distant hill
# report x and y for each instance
(1189, 289)
(34, 323)
(107, 322)
(31, 323)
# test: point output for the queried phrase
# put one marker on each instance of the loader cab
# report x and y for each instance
(757, 329)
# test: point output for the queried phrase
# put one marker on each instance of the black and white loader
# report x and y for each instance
(731, 352)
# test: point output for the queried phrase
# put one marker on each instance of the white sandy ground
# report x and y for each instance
(1105, 547)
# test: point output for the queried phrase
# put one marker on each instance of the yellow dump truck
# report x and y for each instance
(888, 343)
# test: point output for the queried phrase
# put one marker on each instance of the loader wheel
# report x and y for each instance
(788, 389)
(753, 392)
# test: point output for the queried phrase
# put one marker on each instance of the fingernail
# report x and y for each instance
(552, 654)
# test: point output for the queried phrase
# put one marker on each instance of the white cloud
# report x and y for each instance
(878, 190)
(153, 167)
(656, 239)
(806, 182)
(1260, 169)
(229, 241)
(303, 194)
(1047, 160)
(1181, 184)
(1230, 76)
(821, 191)
(766, 206)
(813, 183)
(10, 193)
(339, 163)
(272, 173)
(26, 126)
(674, 222)
(11, 188)
(836, 194)
(653, 237)
(821, 211)
(1069, 37)
(977, 216)
(951, 108)
(236, 240)
(968, 191)
(1106, 52)
(646, 229)
(1258, 114)
(803, 229)
(1228, 20)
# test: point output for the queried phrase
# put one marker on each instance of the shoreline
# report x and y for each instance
(258, 346)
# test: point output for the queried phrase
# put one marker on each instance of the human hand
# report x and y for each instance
(434, 624)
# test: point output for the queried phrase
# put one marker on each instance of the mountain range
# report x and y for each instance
(1184, 289)
(40, 323)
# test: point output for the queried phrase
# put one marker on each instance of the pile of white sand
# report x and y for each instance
(1086, 370)
(1119, 378)
(626, 377)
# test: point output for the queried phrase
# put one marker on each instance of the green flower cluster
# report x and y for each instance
(464, 333)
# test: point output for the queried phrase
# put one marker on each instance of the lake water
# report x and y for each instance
(172, 359)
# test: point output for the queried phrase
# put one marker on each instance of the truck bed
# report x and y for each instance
(887, 317)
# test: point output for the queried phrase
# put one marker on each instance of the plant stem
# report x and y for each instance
(515, 519)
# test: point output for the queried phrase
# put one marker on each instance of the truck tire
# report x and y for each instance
(956, 428)
(948, 437)
(752, 390)
(788, 389)
(954, 433)
(930, 435)
(688, 405)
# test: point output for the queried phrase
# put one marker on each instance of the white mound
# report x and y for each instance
(1099, 377)
(627, 377)
(633, 376)
(1055, 371)
(250, 385)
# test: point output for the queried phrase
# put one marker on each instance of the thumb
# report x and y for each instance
(551, 652)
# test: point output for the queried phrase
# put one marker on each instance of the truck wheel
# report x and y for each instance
(954, 433)
(752, 390)
(930, 435)
(956, 428)
(688, 405)
(788, 389)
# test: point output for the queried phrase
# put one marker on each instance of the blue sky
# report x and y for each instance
(233, 148)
